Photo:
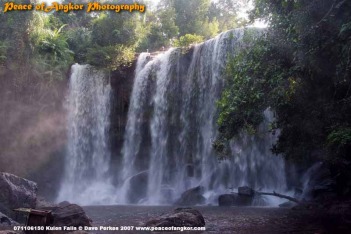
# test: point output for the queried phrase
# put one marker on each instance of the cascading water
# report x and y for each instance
(172, 123)
(86, 179)
(169, 133)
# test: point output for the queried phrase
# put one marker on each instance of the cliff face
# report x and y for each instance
(122, 84)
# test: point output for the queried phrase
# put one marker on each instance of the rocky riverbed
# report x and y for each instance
(229, 219)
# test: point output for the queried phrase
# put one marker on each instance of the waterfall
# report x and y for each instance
(172, 124)
(170, 129)
(86, 179)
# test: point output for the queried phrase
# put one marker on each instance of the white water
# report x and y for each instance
(172, 124)
(169, 133)
(86, 179)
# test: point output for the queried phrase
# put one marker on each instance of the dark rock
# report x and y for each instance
(64, 203)
(287, 204)
(67, 214)
(6, 222)
(139, 183)
(15, 193)
(246, 191)
(42, 203)
(226, 200)
(307, 206)
(234, 199)
(192, 197)
(180, 217)
(320, 183)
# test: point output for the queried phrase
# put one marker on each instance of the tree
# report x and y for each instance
(188, 40)
(51, 55)
(305, 78)
(226, 12)
(162, 29)
(122, 35)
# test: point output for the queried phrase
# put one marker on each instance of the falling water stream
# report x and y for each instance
(169, 133)
(86, 179)
(173, 110)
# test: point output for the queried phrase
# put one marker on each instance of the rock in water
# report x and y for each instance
(16, 192)
(180, 217)
(67, 214)
(287, 204)
(226, 200)
(246, 191)
(6, 222)
(234, 199)
(192, 197)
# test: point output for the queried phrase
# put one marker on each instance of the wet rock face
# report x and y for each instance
(180, 217)
(16, 192)
(66, 214)
(192, 197)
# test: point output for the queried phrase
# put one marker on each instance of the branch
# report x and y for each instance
(279, 195)
(331, 9)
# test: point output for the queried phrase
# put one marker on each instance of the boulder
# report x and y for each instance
(180, 217)
(319, 184)
(6, 222)
(192, 197)
(234, 199)
(287, 204)
(15, 193)
(139, 183)
(43, 203)
(246, 191)
(66, 214)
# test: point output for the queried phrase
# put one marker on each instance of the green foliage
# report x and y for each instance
(339, 142)
(187, 40)
(111, 57)
(253, 84)
(79, 41)
(210, 28)
(161, 29)
(122, 34)
(52, 55)
(305, 78)
(226, 13)
(176, 18)
(13, 31)
(190, 15)
(340, 137)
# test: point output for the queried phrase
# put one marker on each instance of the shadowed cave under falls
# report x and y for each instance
(168, 138)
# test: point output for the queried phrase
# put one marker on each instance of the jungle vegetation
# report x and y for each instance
(49, 43)
(299, 67)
